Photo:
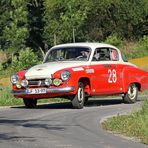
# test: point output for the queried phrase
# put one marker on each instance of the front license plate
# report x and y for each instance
(36, 91)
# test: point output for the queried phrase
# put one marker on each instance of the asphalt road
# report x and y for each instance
(59, 126)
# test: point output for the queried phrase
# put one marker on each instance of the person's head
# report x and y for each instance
(85, 53)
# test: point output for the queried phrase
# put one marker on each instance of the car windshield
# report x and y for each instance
(68, 54)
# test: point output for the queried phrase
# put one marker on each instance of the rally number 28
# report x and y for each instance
(112, 76)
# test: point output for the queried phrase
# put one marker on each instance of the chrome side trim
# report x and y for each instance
(49, 90)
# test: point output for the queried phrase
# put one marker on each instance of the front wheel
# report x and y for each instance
(30, 103)
(131, 95)
(79, 98)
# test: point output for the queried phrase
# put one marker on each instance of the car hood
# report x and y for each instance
(47, 69)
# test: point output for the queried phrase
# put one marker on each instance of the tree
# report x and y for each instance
(63, 18)
(39, 23)
(35, 24)
(125, 18)
(14, 25)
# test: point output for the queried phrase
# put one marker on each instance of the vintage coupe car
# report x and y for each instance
(77, 71)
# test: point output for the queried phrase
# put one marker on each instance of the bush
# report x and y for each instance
(114, 40)
(141, 48)
(7, 99)
(143, 43)
(3, 60)
(1, 67)
(25, 60)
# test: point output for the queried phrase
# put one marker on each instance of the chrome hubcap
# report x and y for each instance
(132, 91)
(80, 94)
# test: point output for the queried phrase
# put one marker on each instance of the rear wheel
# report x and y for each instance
(131, 95)
(79, 98)
(30, 103)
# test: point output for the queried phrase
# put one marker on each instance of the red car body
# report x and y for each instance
(102, 71)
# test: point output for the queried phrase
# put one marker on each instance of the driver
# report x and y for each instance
(85, 54)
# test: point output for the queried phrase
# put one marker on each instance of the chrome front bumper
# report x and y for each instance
(49, 90)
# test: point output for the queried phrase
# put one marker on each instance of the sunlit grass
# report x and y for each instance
(133, 125)
(7, 99)
(5, 82)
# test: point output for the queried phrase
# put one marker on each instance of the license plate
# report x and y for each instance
(36, 91)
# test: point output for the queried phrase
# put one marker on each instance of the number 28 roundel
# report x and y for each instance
(112, 76)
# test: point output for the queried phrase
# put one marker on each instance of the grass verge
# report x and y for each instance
(132, 125)
(7, 99)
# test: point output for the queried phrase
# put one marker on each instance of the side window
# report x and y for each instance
(101, 54)
(124, 57)
(114, 55)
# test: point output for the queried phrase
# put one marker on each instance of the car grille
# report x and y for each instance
(36, 82)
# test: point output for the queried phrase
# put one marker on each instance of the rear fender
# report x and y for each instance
(135, 75)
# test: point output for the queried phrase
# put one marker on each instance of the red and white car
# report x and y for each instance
(77, 71)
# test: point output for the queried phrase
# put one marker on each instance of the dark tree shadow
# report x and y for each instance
(91, 103)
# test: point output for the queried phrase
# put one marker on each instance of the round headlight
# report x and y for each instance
(24, 83)
(57, 82)
(65, 75)
(15, 78)
(48, 82)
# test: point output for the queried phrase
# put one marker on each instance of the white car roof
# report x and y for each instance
(90, 45)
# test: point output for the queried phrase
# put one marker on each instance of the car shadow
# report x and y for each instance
(103, 102)
(52, 105)
(67, 105)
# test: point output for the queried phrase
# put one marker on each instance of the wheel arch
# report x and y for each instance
(136, 83)
(128, 79)
(87, 84)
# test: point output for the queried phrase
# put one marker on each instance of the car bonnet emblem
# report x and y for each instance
(39, 83)
(39, 69)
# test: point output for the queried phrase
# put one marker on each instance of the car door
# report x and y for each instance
(116, 74)
(105, 79)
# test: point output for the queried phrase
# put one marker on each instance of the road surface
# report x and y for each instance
(57, 125)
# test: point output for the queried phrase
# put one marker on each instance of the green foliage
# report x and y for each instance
(62, 18)
(39, 24)
(7, 99)
(116, 16)
(4, 62)
(141, 48)
(94, 21)
(114, 40)
(143, 43)
(5, 72)
(35, 24)
(32, 23)
(25, 60)
(13, 25)
(1, 67)
(133, 125)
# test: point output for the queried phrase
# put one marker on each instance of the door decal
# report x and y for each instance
(112, 76)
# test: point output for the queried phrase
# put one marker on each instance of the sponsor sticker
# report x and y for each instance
(89, 70)
(78, 69)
